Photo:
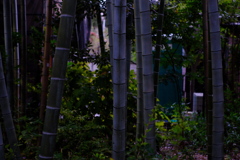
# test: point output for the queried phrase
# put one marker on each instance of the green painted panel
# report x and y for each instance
(171, 82)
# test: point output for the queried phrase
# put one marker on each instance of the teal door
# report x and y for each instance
(171, 80)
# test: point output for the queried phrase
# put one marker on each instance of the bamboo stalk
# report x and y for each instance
(57, 80)
(8, 49)
(1, 145)
(100, 29)
(16, 60)
(147, 64)
(207, 106)
(23, 57)
(45, 68)
(140, 124)
(217, 81)
(119, 80)
(7, 115)
(110, 28)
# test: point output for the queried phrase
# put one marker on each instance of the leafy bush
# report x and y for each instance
(181, 135)
(85, 126)
(232, 122)
(86, 114)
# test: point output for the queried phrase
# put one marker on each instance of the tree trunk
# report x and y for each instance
(23, 57)
(47, 51)
(8, 49)
(158, 49)
(217, 81)
(46, 56)
(110, 28)
(1, 145)
(100, 29)
(206, 53)
(209, 115)
(16, 60)
(57, 80)
(147, 64)
(140, 120)
(207, 104)
(119, 80)
(7, 115)
(129, 23)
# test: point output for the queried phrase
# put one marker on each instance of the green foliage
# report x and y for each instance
(80, 137)
(36, 45)
(232, 122)
(27, 126)
(34, 53)
(16, 38)
(28, 136)
(92, 91)
(140, 150)
(182, 27)
(182, 20)
(85, 125)
(181, 135)
(229, 10)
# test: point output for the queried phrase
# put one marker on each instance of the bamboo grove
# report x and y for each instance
(49, 111)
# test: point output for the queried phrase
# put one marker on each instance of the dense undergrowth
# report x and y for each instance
(85, 124)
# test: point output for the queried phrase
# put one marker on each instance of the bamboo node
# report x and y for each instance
(44, 157)
(48, 133)
(49, 107)
(58, 79)
(62, 48)
(66, 15)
